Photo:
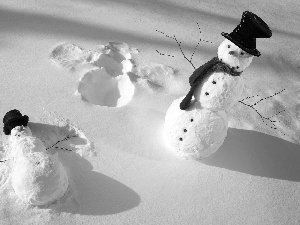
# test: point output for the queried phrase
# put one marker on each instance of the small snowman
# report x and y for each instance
(196, 125)
(37, 178)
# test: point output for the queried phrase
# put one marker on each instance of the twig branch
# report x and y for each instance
(179, 45)
(164, 54)
(178, 42)
(63, 149)
(197, 43)
(54, 146)
(261, 116)
(66, 138)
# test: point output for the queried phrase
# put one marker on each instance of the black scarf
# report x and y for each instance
(214, 65)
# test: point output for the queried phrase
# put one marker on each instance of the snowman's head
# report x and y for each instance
(234, 56)
(20, 131)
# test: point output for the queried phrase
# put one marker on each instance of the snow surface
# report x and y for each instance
(120, 169)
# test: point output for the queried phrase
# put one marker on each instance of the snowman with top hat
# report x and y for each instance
(38, 178)
(196, 125)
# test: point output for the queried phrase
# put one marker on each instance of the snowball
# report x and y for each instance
(196, 132)
(219, 91)
(22, 142)
(39, 178)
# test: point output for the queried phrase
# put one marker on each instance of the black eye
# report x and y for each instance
(228, 46)
(242, 53)
(237, 67)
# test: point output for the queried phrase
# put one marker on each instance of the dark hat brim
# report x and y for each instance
(254, 52)
(23, 118)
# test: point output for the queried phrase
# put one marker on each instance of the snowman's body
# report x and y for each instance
(194, 133)
(38, 178)
(217, 92)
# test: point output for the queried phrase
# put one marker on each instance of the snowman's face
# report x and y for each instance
(234, 56)
(20, 131)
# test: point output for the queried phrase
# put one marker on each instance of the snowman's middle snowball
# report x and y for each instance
(219, 91)
(196, 132)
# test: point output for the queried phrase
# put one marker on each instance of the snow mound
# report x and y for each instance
(116, 58)
(99, 88)
(158, 77)
(119, 51)
(39, 178)
(106, 82)
(71, 56)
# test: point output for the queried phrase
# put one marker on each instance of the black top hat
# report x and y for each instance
(12, 119)
(245, 34)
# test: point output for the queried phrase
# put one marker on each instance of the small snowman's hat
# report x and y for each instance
(12, 119)
(245, 34)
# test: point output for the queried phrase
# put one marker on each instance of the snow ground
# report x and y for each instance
(121, 170)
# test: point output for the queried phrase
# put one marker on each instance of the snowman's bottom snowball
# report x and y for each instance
(39, 178)
(196, 132)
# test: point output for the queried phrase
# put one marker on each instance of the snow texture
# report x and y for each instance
(159, 77)
(38, 178)
(100, 88)
(195, 133)
(106, 82)
(113, 74)
(71, 56)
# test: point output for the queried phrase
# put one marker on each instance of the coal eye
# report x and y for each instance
(242, 53)
(228, 46)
